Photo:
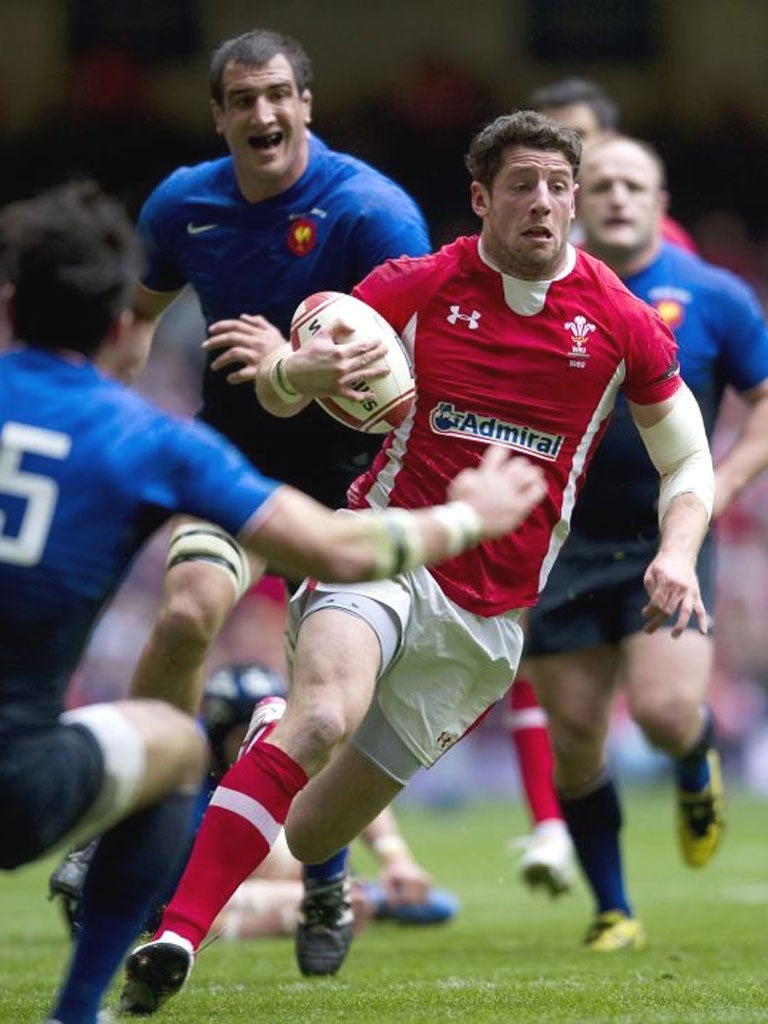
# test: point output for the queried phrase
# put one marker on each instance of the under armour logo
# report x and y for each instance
(447, 739)
(471, 318)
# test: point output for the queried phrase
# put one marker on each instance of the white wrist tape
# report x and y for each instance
(679, 450)
(399, 536)
(462, 523)
(280, 383)
(400, 544)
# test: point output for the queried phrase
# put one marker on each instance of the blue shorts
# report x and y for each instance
(49, 779)
(595, 595)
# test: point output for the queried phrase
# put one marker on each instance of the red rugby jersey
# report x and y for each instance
(541, 382)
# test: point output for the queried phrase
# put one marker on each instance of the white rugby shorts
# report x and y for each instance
(442, 666)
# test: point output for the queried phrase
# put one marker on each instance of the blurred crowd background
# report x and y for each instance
(117, 89)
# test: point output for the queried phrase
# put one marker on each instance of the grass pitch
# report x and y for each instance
(509, 957)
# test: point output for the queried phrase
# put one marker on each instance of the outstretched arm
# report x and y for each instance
(299, 537)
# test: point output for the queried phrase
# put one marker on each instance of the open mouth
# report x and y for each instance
(265, 143)
(539, 234)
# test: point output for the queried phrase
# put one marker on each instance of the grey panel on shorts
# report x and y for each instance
(378, 741)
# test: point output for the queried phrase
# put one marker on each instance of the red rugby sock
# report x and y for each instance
(238, 829)
(528, 731)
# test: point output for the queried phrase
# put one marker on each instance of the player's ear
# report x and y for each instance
(479, 198)
(118, 330)
(125, 347)
(217, 112)
(663, 201)
(306, 102)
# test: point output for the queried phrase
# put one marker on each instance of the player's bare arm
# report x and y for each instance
(242, 344)
(674, 435)
(748, 455)
(402, 878)
(670, 579)
(298, 536)
(148, 305)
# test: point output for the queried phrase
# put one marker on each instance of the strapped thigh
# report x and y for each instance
(206, 542)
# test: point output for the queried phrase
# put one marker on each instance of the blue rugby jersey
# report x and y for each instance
(722, 339)
(325, 232)
(88, 470)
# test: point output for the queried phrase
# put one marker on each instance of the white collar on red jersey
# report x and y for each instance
(527, 298)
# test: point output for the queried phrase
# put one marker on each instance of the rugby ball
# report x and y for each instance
(386, 401)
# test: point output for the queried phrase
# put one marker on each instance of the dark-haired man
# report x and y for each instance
(519, 341)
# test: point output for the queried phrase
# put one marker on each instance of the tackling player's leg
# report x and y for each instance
(207, 572)
(151, 758)
(327, 700)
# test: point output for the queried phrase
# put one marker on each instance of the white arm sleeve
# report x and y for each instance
(679, 450)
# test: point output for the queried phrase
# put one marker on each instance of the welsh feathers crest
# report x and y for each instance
(580, 328)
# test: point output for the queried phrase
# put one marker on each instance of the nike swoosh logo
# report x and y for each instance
(196, 229)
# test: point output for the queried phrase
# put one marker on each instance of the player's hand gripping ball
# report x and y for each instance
(385, 401)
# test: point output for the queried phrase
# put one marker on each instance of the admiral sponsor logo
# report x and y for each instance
(580, 329)
(447, 419)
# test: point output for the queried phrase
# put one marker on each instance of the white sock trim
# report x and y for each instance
(251, 810)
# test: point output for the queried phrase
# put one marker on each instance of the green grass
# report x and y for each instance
(509, 957)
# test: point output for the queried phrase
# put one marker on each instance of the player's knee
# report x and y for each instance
(321, 730)
(574, 734)
(191, 617)
(667, 722)
(173, 741)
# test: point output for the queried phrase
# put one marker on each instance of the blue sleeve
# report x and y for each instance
(743, 332)
(389, 224)
(162, 273)
(204, 475)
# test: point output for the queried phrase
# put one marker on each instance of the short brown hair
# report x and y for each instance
(645, 147)
(523, 128)
(254, 49)
(73, 256)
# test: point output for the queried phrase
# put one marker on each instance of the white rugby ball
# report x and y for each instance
(385, 401)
